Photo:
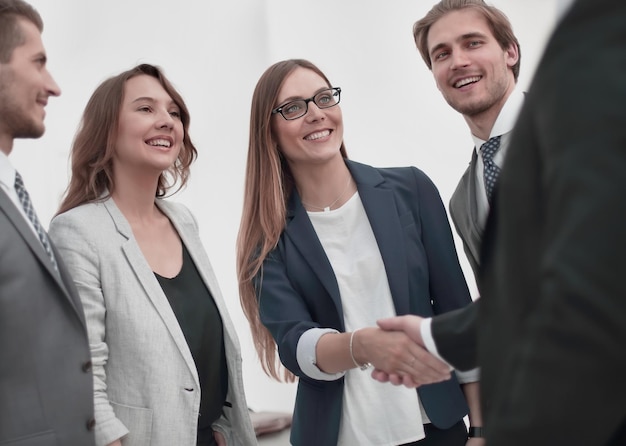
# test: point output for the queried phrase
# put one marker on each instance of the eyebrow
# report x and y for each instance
(41, 55)
(152, 100)
(461, 38)
(297, 98)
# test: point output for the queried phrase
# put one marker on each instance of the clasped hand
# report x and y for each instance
(403, 360)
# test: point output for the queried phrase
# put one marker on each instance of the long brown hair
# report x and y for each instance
(268, 185)
(94, 144)
(496, 20)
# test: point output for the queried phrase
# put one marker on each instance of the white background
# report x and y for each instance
(214, 52)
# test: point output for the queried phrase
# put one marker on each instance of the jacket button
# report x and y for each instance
(91, 424)
(87, 366)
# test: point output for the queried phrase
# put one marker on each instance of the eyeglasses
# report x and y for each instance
(297, 109)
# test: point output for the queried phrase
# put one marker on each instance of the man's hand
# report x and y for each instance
(422, 360)
(409, 324)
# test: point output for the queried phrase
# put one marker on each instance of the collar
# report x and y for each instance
(362, 174)
(506, 119)
(7, 171)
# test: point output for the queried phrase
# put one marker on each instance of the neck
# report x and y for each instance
(134, 196)
(324, 188)
(6, 144)
(481, 124)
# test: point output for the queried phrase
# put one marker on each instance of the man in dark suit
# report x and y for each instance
(46, 384)
(552, 323)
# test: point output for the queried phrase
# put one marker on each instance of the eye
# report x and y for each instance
(293, 107)
(440, 55)
(324, 98)
(175, 114)
(144, 108)
(474, 43)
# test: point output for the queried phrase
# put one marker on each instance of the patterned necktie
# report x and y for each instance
(27, 205)
(490, 171)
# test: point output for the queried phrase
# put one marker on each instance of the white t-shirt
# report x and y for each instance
(373, 413)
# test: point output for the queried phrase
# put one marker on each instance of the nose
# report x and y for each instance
(459, 59)
(51, 86)
(165, 120)
(314, 113)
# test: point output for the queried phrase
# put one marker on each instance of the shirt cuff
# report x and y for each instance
(306, 357)
(469, 376)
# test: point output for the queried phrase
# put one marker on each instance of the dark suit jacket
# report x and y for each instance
(552, 341)
(298, 289)
(46, 385)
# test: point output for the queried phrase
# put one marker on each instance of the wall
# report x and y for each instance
(214, 52)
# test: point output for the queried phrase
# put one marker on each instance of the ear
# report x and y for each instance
(511, 55)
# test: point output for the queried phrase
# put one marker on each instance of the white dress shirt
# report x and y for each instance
(502, 127)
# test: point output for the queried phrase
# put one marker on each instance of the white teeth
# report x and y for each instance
(317, 135)
(160, 142)
(467, 80)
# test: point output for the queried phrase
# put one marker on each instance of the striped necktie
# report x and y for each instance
(27, 205)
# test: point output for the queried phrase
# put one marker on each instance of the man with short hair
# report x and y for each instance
(46, 383)
(551, 329)
(475, 59)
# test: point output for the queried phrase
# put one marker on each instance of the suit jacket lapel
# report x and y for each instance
(471, 198)
(464, 212)
(187, 232)
(21, 226)
(381, 209)
(137, 262)
(301, 233)
(384, 217)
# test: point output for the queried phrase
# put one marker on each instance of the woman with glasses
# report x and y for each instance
(166, 359)
(328, 246)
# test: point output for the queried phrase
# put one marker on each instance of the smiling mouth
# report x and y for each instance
(317, 135)
(159, 143)
(467, 81)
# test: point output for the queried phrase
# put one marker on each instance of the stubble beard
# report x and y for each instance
(16, 122)
(494, 95)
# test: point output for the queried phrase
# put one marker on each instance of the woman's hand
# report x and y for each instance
(117, 442)
(397, 355)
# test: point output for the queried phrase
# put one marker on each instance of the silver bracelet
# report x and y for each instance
(365, 366)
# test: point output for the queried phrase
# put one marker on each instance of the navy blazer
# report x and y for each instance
(297, 289)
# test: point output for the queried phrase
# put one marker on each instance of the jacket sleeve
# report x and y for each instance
(81, 258)
(455, 335)
(448, 289)
(284, 310)
(454, 326)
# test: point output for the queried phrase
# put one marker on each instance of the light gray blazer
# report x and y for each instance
(145, 380)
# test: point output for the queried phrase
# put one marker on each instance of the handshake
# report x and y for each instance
(396, 351)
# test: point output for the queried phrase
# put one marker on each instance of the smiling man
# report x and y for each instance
(45, 369)
(475, 58)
